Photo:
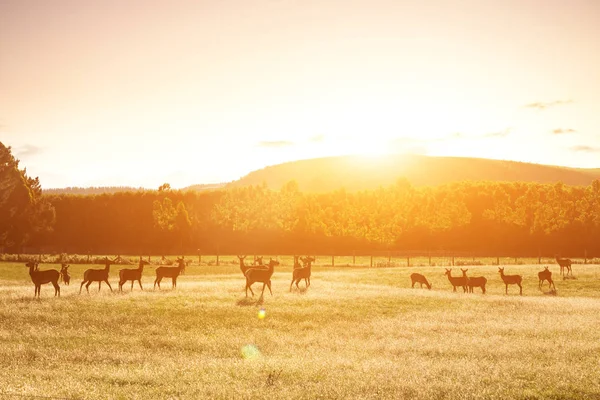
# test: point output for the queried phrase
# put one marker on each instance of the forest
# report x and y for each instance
(481, 217)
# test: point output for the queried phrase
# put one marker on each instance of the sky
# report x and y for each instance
(141, 92)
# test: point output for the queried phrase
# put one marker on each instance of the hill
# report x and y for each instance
(362, 173)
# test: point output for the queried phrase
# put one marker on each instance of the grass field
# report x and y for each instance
(355, 333)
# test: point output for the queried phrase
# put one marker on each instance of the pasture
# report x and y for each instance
(355, 333)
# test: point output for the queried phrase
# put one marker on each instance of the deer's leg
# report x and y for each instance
(87, 287)
(99, 284)
(291, 284)
(106, 280)
(269, 286)
(56, 289)
(140, 282)
(173, 282)
(520, 289)
(81, 287)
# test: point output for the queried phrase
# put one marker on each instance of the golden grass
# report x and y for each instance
(355, 333)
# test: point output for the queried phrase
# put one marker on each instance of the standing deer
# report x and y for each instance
(511, 280)
(64, 273)
(300, 273)
(132, 275)
(97, 275)
(41, 277)
(418, 278)
(262, 275)
(546, 275)
(244, 267)
(456, 280)
(475, 281)
(169, 272)
(564, 263)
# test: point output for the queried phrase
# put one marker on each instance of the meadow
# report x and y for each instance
(355, 333)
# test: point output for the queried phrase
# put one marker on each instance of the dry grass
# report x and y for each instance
(355, 333)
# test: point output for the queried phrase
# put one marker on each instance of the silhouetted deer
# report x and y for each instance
(456, 280)
(258, 262)
(418, 278)
(41, 277)
(244, 267)
(64, 273)
(132, 275)
(262, 275)
(564, 263)
(304, 272)
(475, 281)
(546, 275)
(169, 272)
(97, 275)
(511, 280)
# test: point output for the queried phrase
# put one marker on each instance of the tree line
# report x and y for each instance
(513, 218)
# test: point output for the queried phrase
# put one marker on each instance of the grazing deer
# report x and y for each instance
(132, 275)
(97, 275)
(64, 273)
(169, 272)
(546, 275)
(41, 277)
(511, 280)
(456, 280)
(564, 263)
(304, 272)
(262, 275)
(475, 281)
(418, 278)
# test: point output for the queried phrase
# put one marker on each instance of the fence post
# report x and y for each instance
(333, 261)
(585, 256)
(371, 261)
(389, 257)
(217, 260)
(354, 258)
(515, 260)
(430, 259)
(408, 261)
(497, 260)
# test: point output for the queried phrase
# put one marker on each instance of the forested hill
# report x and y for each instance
(118, 189)
(363, 173)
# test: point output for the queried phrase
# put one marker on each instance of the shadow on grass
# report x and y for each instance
(248, 301)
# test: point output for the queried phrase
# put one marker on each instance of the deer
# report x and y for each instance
(170, 272)
(546, 275)
(64, 273)
(97, 275)
(511, 280)
(40, 277)
(262, 275)
(258, 261)
(418, 278)
(456, 280)
(132, 275)
(475, 281)
(300, 273)
(564, 263)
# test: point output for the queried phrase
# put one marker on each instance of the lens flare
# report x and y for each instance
(262, 313)
(250, 352)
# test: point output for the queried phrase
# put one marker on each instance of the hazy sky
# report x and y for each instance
(145, 92)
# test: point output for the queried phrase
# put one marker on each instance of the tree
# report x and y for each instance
(23, 210)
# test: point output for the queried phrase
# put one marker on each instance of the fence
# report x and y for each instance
(356, 259)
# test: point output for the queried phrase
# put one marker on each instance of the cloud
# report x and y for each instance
(275, 144)
(317, 138)
(542, 106)
(560, 131)
(503, 133)
(27, 150)
(587, 149)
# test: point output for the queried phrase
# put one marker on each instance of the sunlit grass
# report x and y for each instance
(355, 333)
